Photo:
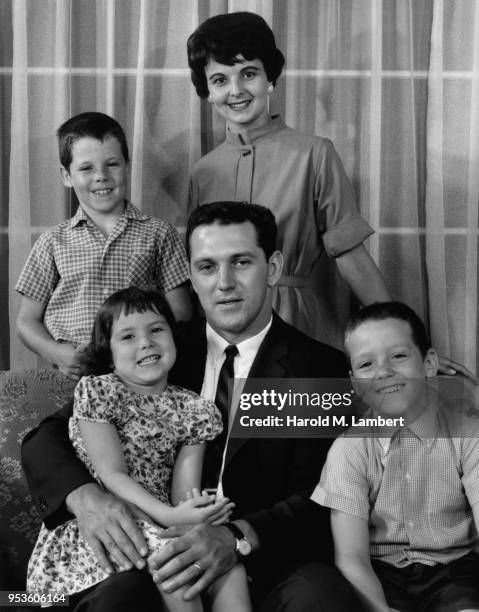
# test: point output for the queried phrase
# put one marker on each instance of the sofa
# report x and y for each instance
(25, 399)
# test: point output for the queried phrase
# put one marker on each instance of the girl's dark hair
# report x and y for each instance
(97, 357)
(224, 37)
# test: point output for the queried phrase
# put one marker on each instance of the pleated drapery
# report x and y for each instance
(394, 84)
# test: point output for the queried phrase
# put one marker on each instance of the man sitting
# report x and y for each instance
(234, 266)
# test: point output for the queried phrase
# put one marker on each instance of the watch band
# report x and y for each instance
(235, 530)
(242, 544)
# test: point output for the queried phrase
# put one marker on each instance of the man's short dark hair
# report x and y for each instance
(392, 310)
(88, 125)
(226, 213)
(224, 37)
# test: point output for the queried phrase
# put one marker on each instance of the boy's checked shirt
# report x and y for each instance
(73, 267)
(415, 490)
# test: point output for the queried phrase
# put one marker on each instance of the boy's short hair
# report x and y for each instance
(378, 311)
(88, 125)
(97, 357)
(226, 213)
(224, 37)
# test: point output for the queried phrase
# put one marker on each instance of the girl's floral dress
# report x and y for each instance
(151, 430)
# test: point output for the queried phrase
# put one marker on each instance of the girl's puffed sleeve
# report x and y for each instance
(95, 399)
(199, 420)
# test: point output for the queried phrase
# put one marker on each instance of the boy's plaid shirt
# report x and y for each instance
(73, 267)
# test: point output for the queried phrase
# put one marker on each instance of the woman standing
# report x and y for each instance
(235, 63)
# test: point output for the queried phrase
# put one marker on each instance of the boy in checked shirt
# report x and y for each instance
(107, 245)
(404, 502)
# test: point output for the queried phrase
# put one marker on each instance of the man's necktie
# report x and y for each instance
(215, 448)
(223, 397)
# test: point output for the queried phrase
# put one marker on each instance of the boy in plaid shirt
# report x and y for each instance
(107, 245)
(404, 501)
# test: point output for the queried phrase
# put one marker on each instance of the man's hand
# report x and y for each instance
(195, 557)
(450, 367)
(108, 525)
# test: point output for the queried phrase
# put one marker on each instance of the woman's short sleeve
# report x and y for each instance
(343, 226)
(96, 399)
(198, 419)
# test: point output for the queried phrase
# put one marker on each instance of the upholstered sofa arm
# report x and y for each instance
(25, 399)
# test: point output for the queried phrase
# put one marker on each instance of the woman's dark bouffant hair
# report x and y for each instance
(224, 37)
(97, 357)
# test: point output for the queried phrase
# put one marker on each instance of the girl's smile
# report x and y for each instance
(143, 351)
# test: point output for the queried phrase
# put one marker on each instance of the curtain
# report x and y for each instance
(394, 84)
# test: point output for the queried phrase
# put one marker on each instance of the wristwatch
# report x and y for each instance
(242, 544)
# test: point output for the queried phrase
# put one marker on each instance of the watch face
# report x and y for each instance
(243, 547)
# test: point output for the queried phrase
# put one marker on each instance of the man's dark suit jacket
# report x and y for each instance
(270, 480)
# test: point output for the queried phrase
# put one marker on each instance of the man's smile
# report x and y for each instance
(229, 302)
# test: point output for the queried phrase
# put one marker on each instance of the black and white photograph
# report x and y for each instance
(239, 305)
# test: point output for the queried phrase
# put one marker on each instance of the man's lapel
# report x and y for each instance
(268, 363)
(270, 358)
(189, 370)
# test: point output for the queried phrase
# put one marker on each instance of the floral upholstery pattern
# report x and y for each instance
(25, 399)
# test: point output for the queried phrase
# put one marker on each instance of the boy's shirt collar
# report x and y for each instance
(78, 218)
(425, 427)
(130, 212)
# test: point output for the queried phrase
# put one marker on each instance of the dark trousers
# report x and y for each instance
(122, 592)
(314, 587)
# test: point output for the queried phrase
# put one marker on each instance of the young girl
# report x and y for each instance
(137, 434)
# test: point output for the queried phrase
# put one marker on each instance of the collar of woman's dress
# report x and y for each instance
(255, 134)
